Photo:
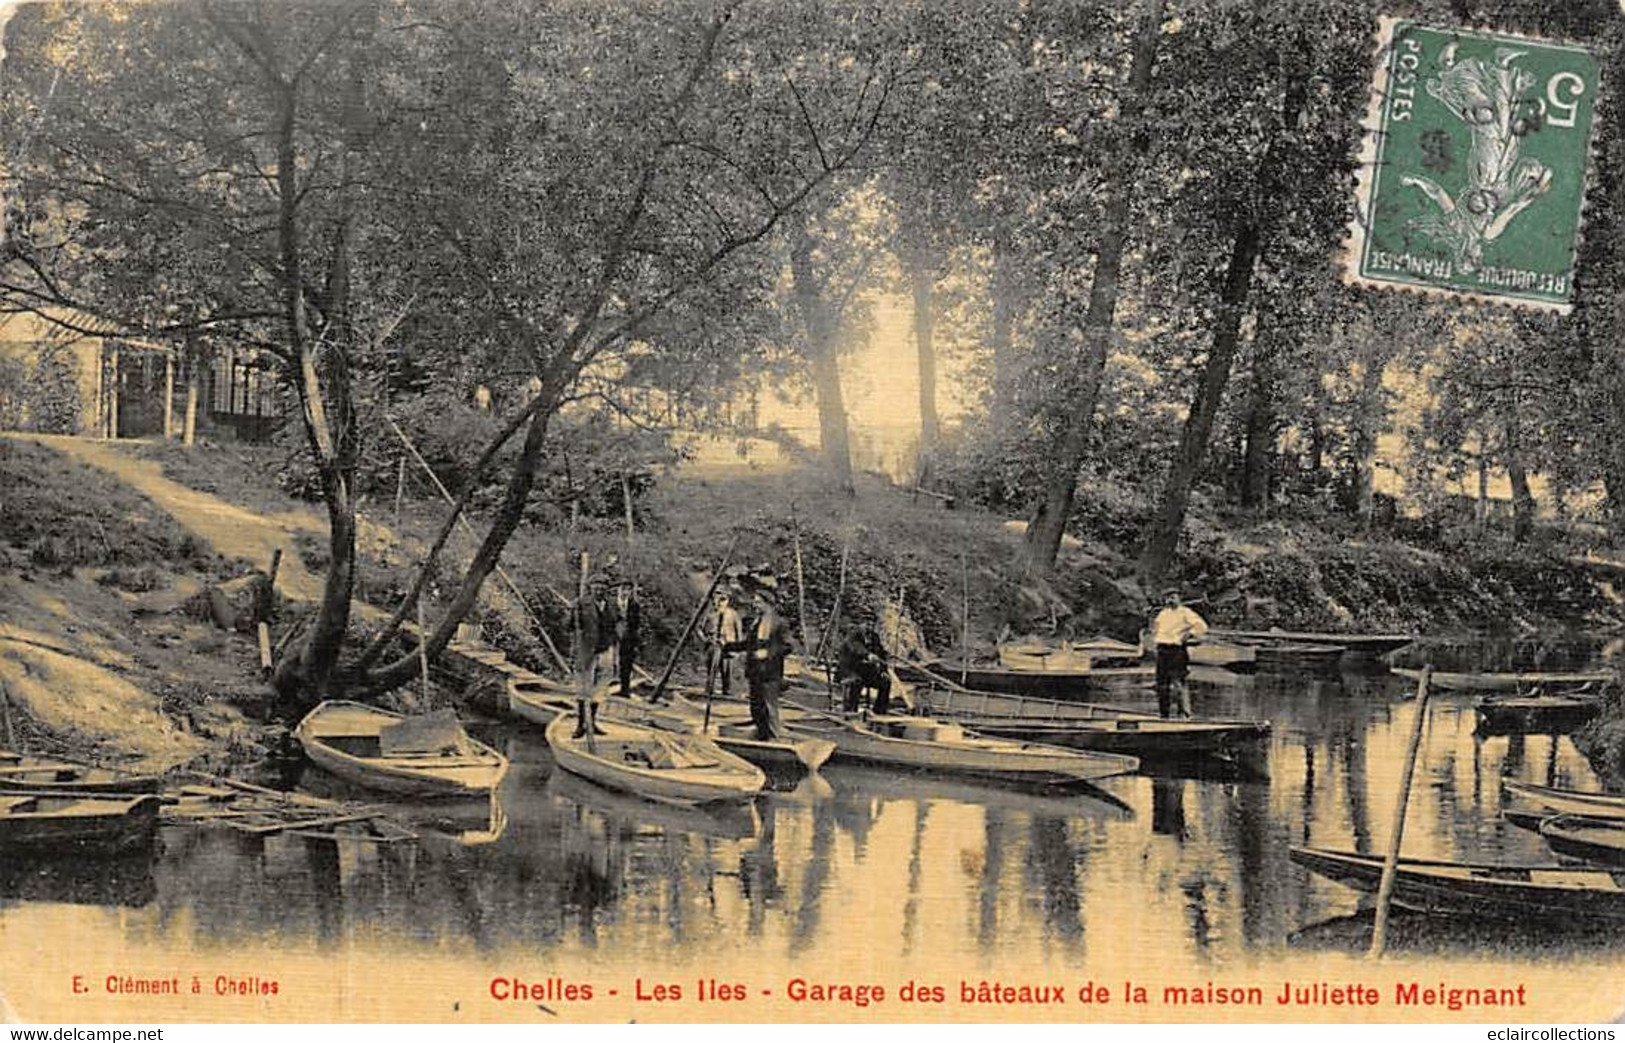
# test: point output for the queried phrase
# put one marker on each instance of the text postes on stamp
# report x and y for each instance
(1475, 165)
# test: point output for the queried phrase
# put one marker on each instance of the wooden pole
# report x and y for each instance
(400, 489)
(1390, 866)
(693, 621)
(964, 630)
(169, 394)
(423, 653)
(801, 580)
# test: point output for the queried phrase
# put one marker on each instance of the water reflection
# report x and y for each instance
(1190, 869)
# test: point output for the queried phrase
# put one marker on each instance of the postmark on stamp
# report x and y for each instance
(1474, 168)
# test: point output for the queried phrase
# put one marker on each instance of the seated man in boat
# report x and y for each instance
(1173, 630)
(768, 639)
(594, 659)
(861, 664)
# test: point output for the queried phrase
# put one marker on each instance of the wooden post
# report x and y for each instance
(194, 379)
(169, 394)
(112, 392)
(1390, 867)
(400, 488)
(423, 653)
(693, 621)
(5, 716)
(265, 647)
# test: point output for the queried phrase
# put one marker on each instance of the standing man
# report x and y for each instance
(727, 639)
(768, 645)
(628, 623)
(1172, 631)
(594, 641)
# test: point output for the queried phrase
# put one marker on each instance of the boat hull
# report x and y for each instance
(1553, 895)
(75, 824)
(1567, 802)
(731, 780)
(332, 723)
(1540, 715)
(1504, 682)
(1593, 840)
(972, 757)
(1047, 684)
(1147, 740)
(1350, 644)
(23, 774)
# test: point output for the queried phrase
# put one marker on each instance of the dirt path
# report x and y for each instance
(230, 530)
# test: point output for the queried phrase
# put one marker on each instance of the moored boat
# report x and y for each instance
(22, 773)
(947, 748)
(1051, 684)
(1538, 714)
(68, 823)
(426, 756)
(1550, 801)
(1552, 894)
(1352, 644)
(1091, 726)
(538, 701)
(1508, 682)
(1595, 840)
(666, 767)
(1287, 656)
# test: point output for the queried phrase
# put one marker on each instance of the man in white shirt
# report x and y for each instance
(1173, 629)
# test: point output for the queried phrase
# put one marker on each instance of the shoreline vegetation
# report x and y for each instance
(109, 581)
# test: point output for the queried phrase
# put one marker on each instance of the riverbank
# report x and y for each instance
(86, 554)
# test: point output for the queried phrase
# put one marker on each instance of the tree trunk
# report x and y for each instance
(1269, 185)
(820, 324)
(1043, 543)
(922, 280)
(1481, 508)
(1258, 458)
(1523, 501)
(1159, 548)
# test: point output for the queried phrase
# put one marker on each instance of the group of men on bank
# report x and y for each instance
(607, 636)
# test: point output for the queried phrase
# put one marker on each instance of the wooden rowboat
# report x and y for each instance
(1352, 644)
(69, 823)
(1550, 801)
(1537, 714)
(427, 756)
(1052, 684)
(1551, 894)
(1594, 840)
(1286, 657)
(946, 748)
(538, 701)
(1090, 726)
(24, 774)
(666, 767)
(1508, 682)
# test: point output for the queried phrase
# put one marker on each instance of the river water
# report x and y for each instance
(857, 870)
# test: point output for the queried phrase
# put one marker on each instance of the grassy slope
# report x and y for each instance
(1310, 575)
(95, 656)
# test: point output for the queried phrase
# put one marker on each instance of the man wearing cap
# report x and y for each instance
(594, 653)
(768, 644)
(1172, 631)
(727, 634)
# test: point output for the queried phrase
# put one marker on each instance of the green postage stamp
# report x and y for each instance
(1474, 169)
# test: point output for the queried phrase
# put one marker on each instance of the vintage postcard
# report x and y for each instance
(583, 511)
